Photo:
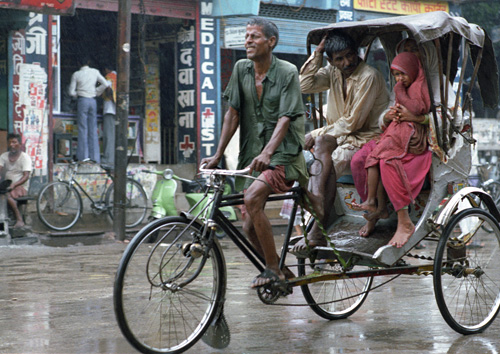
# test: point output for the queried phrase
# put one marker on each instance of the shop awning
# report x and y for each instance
(185, 9)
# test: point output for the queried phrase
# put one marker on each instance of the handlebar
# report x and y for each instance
(153, 172)
(217, 171)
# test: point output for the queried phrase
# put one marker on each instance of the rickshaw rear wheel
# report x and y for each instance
(466, 271)
(333, 299)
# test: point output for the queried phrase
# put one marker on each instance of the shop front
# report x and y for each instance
(153, 109)
(39, 52)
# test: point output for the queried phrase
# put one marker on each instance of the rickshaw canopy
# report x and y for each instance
(423, 28)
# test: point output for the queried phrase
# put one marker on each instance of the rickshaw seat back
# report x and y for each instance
(347, 194)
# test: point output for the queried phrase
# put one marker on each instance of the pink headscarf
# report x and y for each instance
(416, 97)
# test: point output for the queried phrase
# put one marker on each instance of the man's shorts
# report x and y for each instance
(276, 179)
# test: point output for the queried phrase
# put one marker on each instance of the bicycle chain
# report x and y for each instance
(426, 258)
(338, 300)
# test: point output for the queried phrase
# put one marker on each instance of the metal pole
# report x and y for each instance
(122, 105)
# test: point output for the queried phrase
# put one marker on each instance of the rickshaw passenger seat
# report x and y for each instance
(345, 179)
(427, 183)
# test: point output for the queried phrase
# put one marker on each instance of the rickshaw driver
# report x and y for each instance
(357, 96)
(265, 100)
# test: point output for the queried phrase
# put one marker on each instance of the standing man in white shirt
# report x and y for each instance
(109, 117)
(84, 86)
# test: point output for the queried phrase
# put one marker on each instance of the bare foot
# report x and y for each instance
(378, 214)
(312, 241)
(366, 206)
(368, 228)
(402, 235)
(18, 224)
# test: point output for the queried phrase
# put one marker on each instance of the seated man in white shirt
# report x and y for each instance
(15, 165)
(357, 96)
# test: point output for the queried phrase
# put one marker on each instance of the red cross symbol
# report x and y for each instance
(187, 144)
(208, 113)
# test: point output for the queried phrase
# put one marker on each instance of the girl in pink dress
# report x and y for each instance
(400, 156)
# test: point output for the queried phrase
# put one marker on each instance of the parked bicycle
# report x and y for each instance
(60, 205)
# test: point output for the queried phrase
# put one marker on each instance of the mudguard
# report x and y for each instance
(453, 204)
(163, 198)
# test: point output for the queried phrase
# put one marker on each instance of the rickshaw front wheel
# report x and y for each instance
(466, 271)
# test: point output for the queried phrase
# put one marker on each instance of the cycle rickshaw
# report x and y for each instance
(170, 286)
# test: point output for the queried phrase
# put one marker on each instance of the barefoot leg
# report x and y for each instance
(404, 231)
(370, 204)
(368, 228)
(382, 211)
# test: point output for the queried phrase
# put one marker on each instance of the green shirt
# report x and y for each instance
(280, 97)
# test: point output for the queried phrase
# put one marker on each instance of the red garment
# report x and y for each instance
(402, 141)
(399, 138)
(416, 97)
(415, 169)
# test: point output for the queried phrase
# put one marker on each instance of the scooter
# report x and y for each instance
(163, 197)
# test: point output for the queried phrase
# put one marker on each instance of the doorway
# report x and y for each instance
(167, 103)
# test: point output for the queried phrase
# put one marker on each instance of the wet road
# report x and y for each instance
(59, 300)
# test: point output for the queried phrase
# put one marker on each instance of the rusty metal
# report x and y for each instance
(312, 96)
(460, 82)
(443, 131)
(473, 77)
(405, 270)
(122, 107)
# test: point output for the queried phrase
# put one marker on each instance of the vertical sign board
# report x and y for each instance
(207, 80)
(4, 87)
(186, 101)
(152, 146)
(30, 103)
(346, 11)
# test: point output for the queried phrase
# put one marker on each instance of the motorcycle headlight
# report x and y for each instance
(168, 173)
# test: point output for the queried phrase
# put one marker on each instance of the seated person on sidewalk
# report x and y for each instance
(357, 97)
(265, 101)
(15, 165)
(400, 156)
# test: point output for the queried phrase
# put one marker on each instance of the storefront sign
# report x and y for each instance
(152, 146)
(55, 7)
(186, 99)
(207, 68)
(234, 37)
(346, 11)
(401, 7)
(487, 133)
(30, 109)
